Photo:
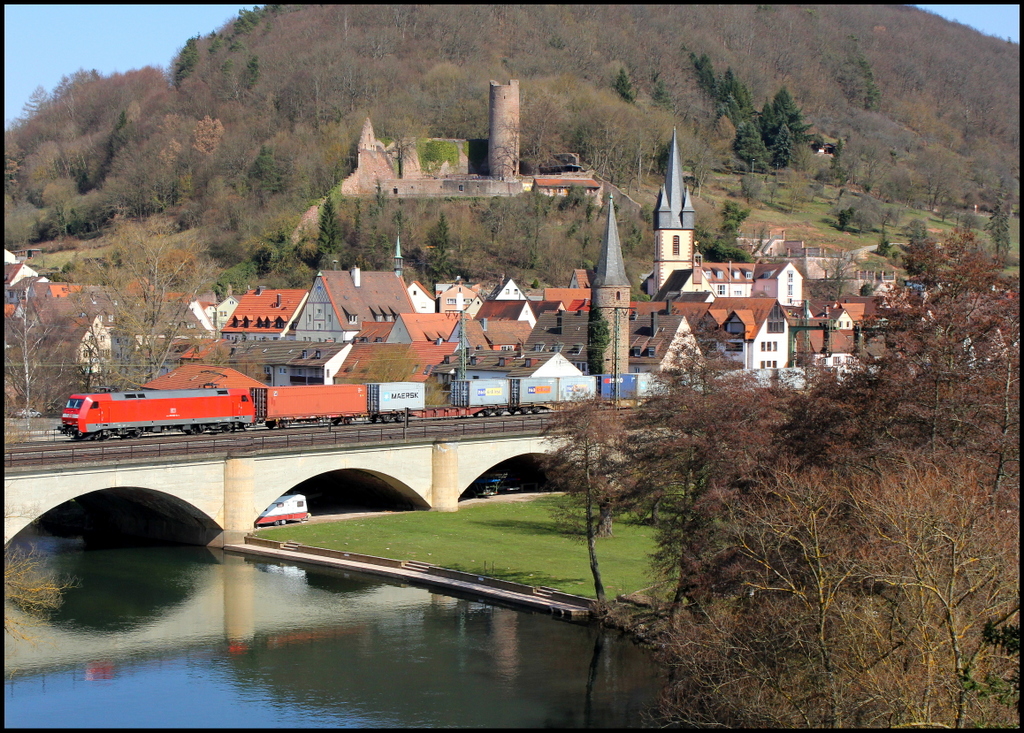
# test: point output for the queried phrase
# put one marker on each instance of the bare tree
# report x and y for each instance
(587, 464)
(150, 277)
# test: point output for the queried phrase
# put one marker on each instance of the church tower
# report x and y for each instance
(399, 260)
(673, 224)
(610, 297)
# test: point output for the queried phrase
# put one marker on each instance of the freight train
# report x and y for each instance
(195, 411)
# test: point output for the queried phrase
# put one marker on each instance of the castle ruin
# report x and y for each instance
(444, 166)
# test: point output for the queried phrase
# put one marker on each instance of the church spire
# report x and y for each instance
(674, 210)
(610, 270)
(399, 260)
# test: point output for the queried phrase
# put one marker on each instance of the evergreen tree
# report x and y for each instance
(734, 98)
(598, 338)
(624, 87)
(782, 148)
(439, 241)
(787, 113)
(187, 61)
(748, 144)
(660, 96)
(998, 227)
(329, 236)
(705, 74)
(266, 173)
(252, 72)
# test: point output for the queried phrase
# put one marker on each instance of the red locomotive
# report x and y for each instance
(130, 414)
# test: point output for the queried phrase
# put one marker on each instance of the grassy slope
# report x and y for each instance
(514, 541)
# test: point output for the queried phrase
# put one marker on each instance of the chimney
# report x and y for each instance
(483, 324)
(355, 276)
(654, 322)
(260, 289)
(558, 323)
(277, 304)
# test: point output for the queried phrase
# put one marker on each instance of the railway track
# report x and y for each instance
(157, 447)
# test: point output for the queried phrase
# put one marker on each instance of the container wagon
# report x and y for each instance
(482, 397)
(389, 401)
(327, 403)
(532, 394)
(628, 386)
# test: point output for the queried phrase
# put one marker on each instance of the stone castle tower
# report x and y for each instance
(503, 140)
(673, 224)
(610, 296)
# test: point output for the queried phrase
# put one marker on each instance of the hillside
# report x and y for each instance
(255, 122)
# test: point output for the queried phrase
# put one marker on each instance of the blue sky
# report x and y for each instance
(112, 38)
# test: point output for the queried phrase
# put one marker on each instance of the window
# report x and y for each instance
(451, 301)
(267, 369)
(737, 292)
(353, 319)
(789, 290)
(721, 290)
(776, 321)
(789, 275)
(733, 346)
(462, 187)
(734, 327)
(675, 245)
(282, 370)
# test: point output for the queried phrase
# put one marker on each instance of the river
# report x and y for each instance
(174, 636)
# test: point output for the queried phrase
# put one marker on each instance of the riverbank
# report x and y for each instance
(537, 598)
(512, 538)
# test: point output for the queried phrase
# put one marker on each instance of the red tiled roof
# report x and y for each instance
(566, 182)
(266, 311)
(197, 376)
(566, 295)
(430, 326)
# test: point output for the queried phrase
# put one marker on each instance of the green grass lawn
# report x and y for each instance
(515, 541)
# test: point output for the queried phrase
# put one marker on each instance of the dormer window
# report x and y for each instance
(538, 346)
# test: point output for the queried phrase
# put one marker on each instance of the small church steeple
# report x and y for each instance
(399, 260)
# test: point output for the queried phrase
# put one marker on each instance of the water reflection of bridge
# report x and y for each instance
(225, 603)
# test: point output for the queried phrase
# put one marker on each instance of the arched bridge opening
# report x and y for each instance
(349, 490)
(523, 474)
(127, 514)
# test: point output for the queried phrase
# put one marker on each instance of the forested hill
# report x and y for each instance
(252, 123)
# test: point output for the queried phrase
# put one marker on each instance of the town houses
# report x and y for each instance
(353, 324)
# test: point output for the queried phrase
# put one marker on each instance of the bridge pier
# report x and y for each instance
(239, 498)
(444, 484)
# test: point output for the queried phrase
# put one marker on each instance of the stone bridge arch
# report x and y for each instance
(479, 459)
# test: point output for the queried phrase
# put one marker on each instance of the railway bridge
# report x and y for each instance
(210, 490)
